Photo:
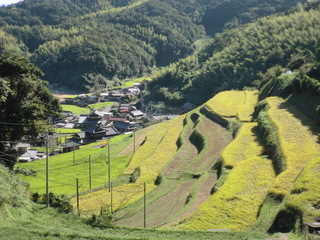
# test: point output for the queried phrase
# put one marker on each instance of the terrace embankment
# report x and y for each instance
(294, 147)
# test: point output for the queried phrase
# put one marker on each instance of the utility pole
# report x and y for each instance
(111, 203)
(47, 169)
(78, 205)
(134, 140)
(109, 168)
(74, 158)
(145, 205)
(89, 172)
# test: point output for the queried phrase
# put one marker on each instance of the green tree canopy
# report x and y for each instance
(25, 102)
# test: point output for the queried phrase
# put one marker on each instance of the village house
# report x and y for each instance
(115, 95)
(95, 133)
(124, 126)
(31, 155)
(136, 114)
(88, 120)
(22, 148)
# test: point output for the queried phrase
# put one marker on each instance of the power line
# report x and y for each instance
(25, 124)
(65, 184)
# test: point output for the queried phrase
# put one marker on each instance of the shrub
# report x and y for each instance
(62, 202)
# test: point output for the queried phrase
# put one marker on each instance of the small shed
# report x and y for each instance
(313, 228)
(70, 146)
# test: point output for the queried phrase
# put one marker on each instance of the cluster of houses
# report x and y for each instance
(83, 100)
(96, 126)
(99, 125)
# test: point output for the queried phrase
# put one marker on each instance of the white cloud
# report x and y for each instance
(7, 2)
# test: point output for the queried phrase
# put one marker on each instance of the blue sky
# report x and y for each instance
(7, 2)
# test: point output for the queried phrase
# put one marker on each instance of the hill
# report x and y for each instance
(77, 43)
(236, 58)
(211, 169)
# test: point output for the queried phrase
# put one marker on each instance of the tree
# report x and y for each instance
(25, 103)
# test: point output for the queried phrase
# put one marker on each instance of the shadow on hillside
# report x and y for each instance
(305, 121)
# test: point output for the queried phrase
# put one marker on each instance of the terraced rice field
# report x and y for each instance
(181, 191)
(305, 195)
(155, 144)
(245, 145)
(120, 197)
(236, 204)
(234, 104)
(297, 143)
(216, 139)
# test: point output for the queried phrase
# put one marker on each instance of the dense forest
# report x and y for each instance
(239, 57)
(77, 42)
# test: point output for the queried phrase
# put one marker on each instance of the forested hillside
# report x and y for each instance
(77, 42)
(236, 58)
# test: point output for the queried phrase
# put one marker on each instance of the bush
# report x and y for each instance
(62, 202)
(102, 220)
(12, 190)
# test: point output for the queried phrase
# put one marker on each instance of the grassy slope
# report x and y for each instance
(200, 144)
(292, 135)
(245, 145)
(238, 104)
(243, 191)
(75, 109)
(186, 192)
(297, 151)
(68, 227)
(305, 195)
(63, 172)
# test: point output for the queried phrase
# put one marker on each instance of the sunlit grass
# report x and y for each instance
(305, 195)
(158, 149)
(297, 143)
(100, 105)
(75, 109)
(121, 196)
(151, 167)
(238, 104)
(244, 146)
(251, 99)
(65, 168)
(236, 204)
(66, 130)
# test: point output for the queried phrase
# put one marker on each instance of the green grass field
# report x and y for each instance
(65, 168)
(100, 105)
(49, 224)
(131, 83)
(75, 109)
(66, 130)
